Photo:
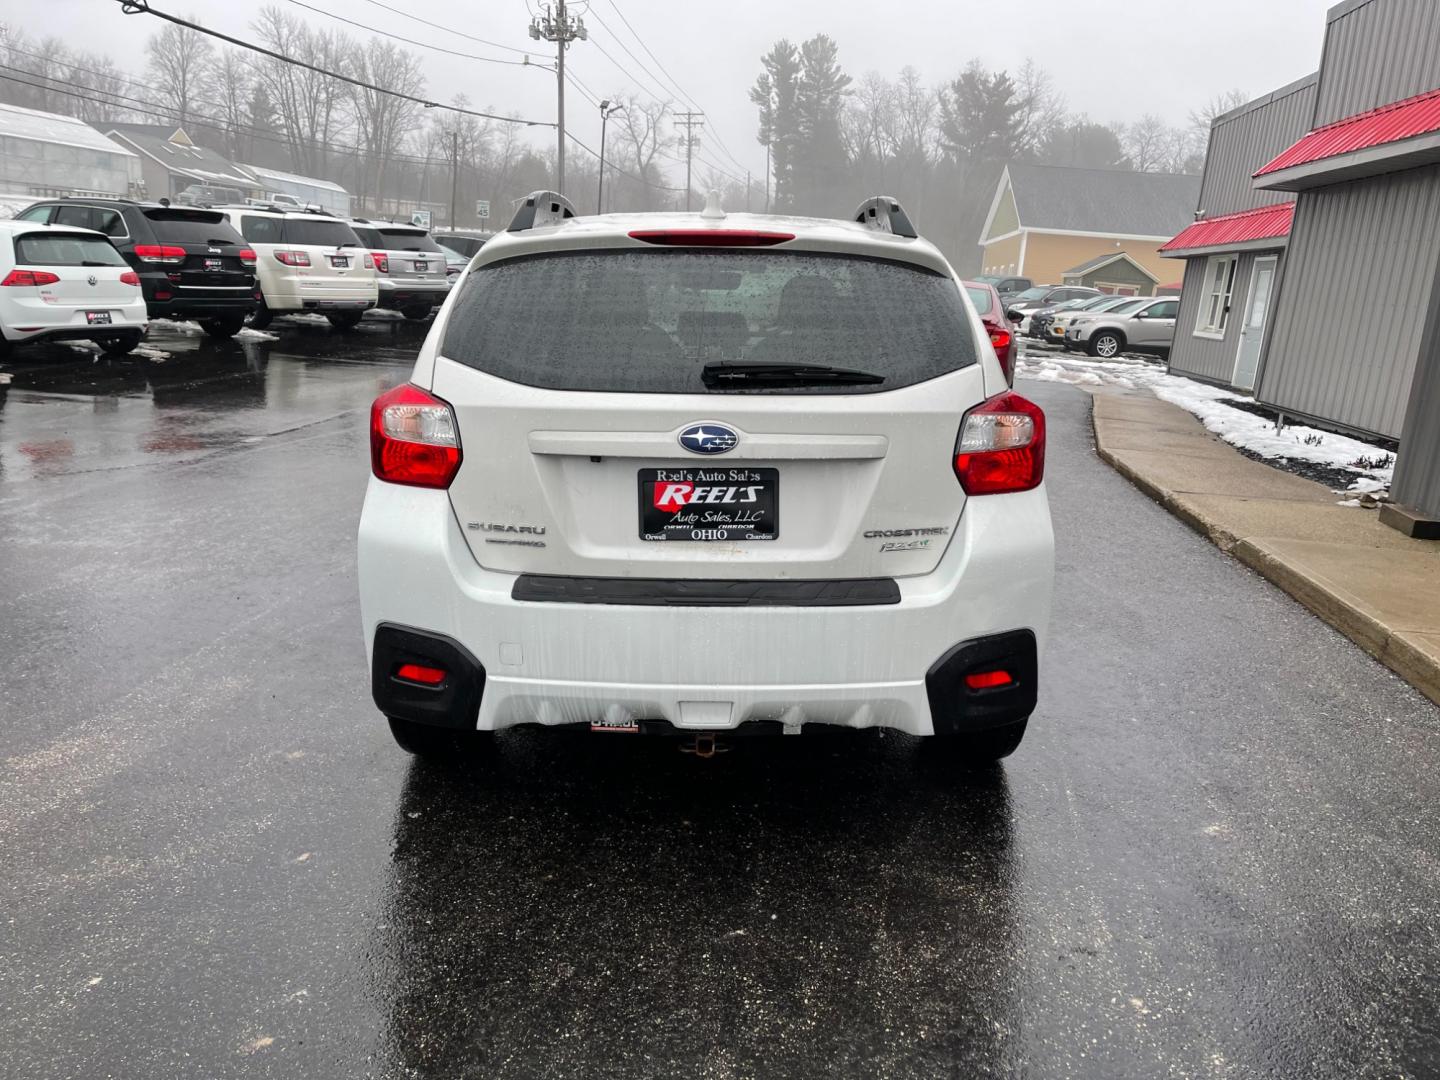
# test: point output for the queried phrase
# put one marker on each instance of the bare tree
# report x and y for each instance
(181, 68)
(643, 135)
(233, 86)
(1042, 107)
(383, 120)
(1147, 143)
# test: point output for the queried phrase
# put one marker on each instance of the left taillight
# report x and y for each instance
(413, 438)
(25, 278)
(129, 277)
(1001, 447)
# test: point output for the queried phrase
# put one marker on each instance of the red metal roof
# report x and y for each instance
(1418, 115)
(1230, 229)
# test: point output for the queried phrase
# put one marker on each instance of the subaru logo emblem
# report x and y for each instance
(708, 439)
(92, 279)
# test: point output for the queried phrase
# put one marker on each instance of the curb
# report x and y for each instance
(1413, 665)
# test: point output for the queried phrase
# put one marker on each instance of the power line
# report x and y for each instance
(673, 82)
(135, 7)
(411, 41)
(447, 29)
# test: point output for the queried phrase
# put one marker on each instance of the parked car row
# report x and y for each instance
(221, 266)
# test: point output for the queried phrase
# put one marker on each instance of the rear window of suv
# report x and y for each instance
(319, 232)
(408, 240)
(648, 321)
(192, 227)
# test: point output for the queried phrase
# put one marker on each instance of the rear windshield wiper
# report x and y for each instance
(740, 372)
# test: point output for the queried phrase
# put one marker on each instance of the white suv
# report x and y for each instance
(306, 262)
(678, 472)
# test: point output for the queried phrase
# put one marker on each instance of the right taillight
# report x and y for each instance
(1001, 446)
(413, 438)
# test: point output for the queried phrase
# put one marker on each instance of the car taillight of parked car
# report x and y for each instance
(382, 261)
(129, 277)
(413, 438)
(29, 278)
(247, 257)
(160, 253)
(1001, 447)
(293, 258)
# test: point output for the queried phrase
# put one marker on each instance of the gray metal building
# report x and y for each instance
(1312, 269)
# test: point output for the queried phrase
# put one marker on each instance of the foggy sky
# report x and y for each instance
(1112, 59)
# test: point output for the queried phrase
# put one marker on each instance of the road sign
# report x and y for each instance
(482, 209)
(421, 218)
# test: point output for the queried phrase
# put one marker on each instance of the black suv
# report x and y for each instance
(192, 263)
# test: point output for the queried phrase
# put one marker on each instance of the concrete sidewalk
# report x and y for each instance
(1368, 581)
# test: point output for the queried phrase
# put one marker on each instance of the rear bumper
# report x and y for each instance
(715, 667)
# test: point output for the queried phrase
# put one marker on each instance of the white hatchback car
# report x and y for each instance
(306, 262)
(61, 283)
(698, 473)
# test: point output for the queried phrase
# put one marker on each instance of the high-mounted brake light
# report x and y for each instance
(293, 258)
(129, 277)
(1001, 447)
(247, 257)
(413, 438)
(711, 237)
(382, 261)
(160, 253)
(29, 278)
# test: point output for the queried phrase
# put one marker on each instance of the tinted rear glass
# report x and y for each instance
(62, 250)
(320, 233)
(192, 227)
(408, 240)
(980, 298)
(648, 321)
(100, 218)
(369, 237)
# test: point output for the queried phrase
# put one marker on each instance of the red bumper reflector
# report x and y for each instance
(987, 680)
(419, 673)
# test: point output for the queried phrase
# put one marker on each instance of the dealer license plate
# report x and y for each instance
(709, 503)
(97, 318)
(340, 262)
(421, 267)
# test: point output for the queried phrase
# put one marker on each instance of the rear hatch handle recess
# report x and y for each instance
(739, 372)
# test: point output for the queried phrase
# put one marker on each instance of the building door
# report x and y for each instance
(1252, 331)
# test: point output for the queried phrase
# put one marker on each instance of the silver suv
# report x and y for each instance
(1146, 325)
(409, 266)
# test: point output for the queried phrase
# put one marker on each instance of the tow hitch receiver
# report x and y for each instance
(704, 745)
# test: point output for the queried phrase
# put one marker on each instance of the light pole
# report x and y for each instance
(607, 110)
(561, 27)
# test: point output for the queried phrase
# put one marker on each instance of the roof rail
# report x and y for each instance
(541, 208)
(885, 214)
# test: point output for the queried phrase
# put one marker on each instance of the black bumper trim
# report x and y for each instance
(956, 709)
(677, 592)
(455, 703)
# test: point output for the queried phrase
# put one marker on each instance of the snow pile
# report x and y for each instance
(194, 329)
(149, 352)
(247, 334)
(1239, 428)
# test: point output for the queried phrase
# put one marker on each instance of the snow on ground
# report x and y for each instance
(149, 352)
(194, 329)
(1208, 403)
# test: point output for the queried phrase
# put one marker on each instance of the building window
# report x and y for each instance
(1214, 310)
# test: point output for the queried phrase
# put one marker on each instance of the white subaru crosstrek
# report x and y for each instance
(706, 474)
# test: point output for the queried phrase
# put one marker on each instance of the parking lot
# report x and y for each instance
(1214, 855)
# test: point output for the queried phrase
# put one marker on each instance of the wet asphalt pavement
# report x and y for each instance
(1217, 853)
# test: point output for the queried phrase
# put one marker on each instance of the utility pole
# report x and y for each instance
(767, 178)
(691, 121)
(747, 191)
(559, 26)
(607, 110)
(454, 174)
